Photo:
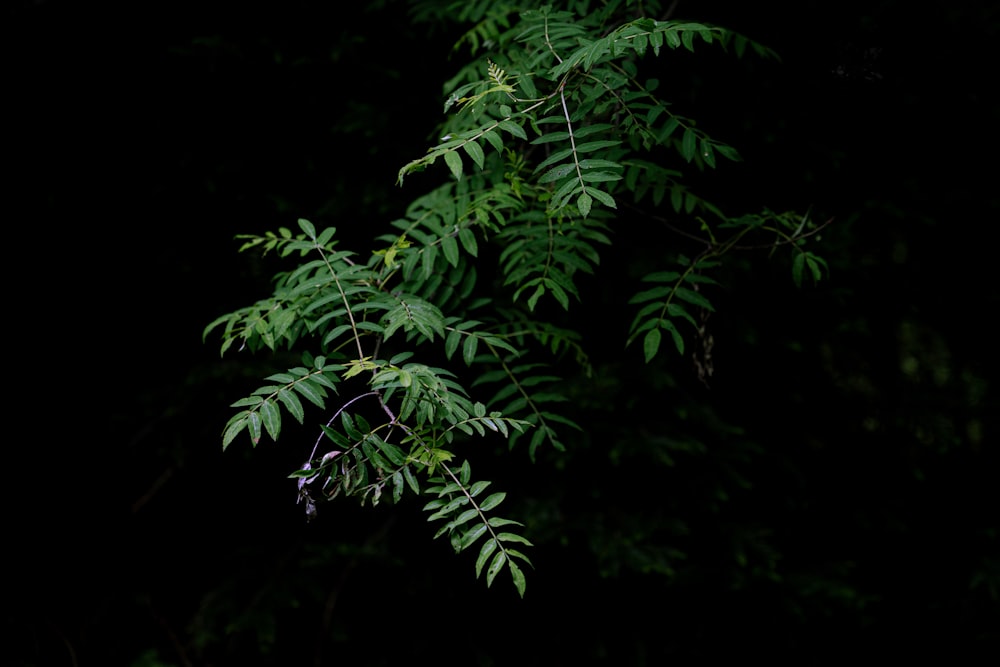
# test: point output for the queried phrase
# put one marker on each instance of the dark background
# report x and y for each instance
(834, 489)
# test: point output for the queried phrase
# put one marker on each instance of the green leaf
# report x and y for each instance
(348, 423)
(475, 151)
(447, 509)
(728, 152)
(307, 227)
(498, 560)
(678, 339)
(492, 501)
(689, 143)
(556, 173)
(450, 247)
(813, 266)
(661, 277)
(584, 203)
(411, 480)
(797, 265)
(552, 136)
(557, 291)
(687, 37)
(373, 456)
(599, 177)
(640, 43)
(533, 299)
(292, 404)
(651, 343)
(694, 297)
(597, 163)
(484, 553)
(454, 162)
(690, 201)
(589, 146)
(677, 310)
(496, 522)
(478, 488)
(429, 255)
(708, 154)
(234, 429)
(555, 158)
(565, 191)
(470, 537)
(518, 577)
(271, 416)
(397, 486)
(595, 53)
(514, 553)
(335, 437)
(468, 239)
(654, 293)
(452, 342)
(391, 451)
(602, 197)
(464, 517)
(677, 198)
(312, 392)
(513, 128)
(469, 349)
(254, 423)
(494, 140)
(247, 402)
(656, 39)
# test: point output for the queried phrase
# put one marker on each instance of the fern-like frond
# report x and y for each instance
(548, 131)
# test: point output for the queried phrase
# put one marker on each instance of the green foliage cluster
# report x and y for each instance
(448, 327)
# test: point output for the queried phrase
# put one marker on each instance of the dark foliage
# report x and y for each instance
(832, 488)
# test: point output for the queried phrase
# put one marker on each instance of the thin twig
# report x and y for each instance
(337, 414)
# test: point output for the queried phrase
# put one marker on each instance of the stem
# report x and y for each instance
(337, 414)
(347, 304)
(572, 139)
